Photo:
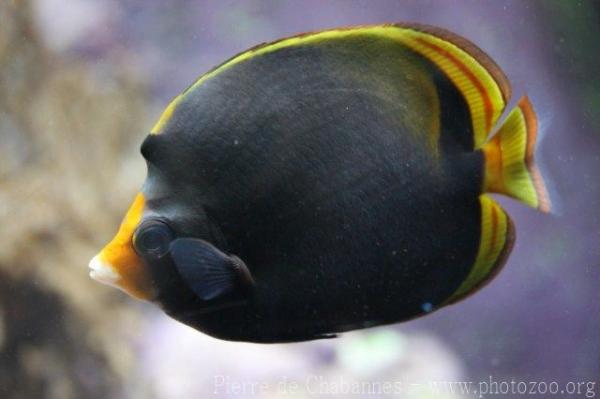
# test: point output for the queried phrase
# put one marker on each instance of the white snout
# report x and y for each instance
(103, 272)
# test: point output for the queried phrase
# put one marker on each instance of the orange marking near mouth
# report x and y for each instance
(120, 254)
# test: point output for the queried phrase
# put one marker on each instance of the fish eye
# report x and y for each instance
(152, 238)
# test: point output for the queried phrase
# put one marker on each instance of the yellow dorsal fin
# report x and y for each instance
(481, 82)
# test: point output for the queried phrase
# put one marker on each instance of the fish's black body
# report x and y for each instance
(342, 174)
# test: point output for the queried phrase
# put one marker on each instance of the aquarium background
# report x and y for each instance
(83, 81)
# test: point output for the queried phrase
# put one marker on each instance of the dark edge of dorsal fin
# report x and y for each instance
(469, 47)
(478, 78)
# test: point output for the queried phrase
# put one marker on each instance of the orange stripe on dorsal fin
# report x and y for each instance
(480, 80)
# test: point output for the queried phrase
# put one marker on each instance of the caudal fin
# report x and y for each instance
(509, 159)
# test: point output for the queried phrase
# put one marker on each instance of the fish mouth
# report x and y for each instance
(103, 272)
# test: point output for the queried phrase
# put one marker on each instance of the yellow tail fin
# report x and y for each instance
(509, 163)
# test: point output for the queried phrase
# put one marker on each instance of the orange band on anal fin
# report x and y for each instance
(496, 241)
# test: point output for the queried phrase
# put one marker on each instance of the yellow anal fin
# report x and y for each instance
(509, 159)
(497, 238)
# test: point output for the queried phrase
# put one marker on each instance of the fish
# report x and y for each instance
(327, 182)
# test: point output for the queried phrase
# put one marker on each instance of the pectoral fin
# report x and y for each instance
(210, 273)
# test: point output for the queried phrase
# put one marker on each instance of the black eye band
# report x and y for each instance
(152, 238)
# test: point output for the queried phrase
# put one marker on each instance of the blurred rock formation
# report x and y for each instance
(65, 130)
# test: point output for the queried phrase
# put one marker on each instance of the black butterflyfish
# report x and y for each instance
(328, 182)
